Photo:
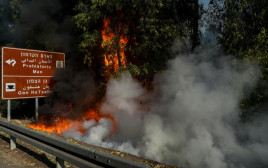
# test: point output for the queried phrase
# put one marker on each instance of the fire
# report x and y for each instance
(58, 126)
(61, 123)
(115, 44)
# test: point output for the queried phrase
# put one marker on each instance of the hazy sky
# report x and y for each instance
(205, 2)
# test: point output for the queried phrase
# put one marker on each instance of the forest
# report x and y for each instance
(213, 57)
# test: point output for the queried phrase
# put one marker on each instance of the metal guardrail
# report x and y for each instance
(65, 151)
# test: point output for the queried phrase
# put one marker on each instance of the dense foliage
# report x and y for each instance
(242, 28)
(149, 26)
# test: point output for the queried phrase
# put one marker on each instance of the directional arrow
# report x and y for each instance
(11, 61)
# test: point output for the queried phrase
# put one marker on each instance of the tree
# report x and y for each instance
(242, 26)
(189, 14)
(149, 26)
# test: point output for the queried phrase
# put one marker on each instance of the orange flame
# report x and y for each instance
(59, 126)
(61, 123)
(109, 41)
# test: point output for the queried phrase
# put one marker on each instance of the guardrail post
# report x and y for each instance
(59, 163)
(12, 143)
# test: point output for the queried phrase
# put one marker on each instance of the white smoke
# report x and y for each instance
(190, 120)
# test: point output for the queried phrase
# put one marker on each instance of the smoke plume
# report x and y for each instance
(190, 120)
(38, 24)
(73, 92)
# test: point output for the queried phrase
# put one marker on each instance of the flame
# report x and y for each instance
(58, 126)
(63, 123)
(109, 41)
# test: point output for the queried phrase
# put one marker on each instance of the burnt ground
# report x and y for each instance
(26, 156)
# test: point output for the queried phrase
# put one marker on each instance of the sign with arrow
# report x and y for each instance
(27, 73)
(11, 62)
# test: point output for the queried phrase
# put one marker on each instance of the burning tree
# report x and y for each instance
(116, 36)
(114, 42)
(136, 33)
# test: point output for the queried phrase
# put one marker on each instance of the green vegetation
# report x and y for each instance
(242, 27)
(148, 25)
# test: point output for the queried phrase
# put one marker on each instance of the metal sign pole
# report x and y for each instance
(8, 109)
(36, 109)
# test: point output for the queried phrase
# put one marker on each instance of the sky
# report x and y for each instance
(205, 2)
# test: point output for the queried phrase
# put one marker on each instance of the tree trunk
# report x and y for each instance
(118, 49)
(195, 36)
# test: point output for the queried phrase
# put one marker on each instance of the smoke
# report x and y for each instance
(190, 120)
(39, 24)
(4, 21)
(73, 92)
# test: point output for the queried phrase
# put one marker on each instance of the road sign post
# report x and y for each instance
(28, 73)
(8, 110)
(36, 109)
